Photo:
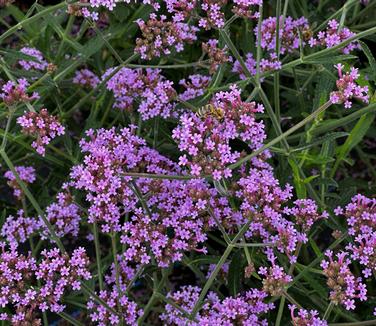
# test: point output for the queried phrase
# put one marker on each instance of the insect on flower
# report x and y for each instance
(212, 111)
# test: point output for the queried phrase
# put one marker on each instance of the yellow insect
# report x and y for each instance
(210, 110)
(307, 33)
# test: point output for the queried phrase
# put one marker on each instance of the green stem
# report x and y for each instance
(282, 136)
(117, 272)
(217, 269)
(328, 310)
(98, 255)
(33, 201)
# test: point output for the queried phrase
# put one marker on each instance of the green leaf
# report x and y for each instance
(235, 273)
(300, 188)
(355, 137)
(371, 59)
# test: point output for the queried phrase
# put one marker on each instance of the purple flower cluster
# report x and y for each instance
(288, 35)
(206, 138)
(37, 63)
(18, 229)
(195, 85)
(247, 8)
(86, 78)
(108, 155)
(161, 36)
(333, 35)
(265, 65)
(214, 16)
(56, 272)
(217, 56)
(345, 287)
(43, 126)
(59, 272)
(154, 93)
(305, 213)
(360, 215)
(64, 215)
(176, 222)
(275, 280)
(244, 309)
(13, 93)
(26, 174)
(101, 315)
(348, 89)
(306, 318)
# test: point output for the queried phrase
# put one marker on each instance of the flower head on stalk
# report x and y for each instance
(348, 89)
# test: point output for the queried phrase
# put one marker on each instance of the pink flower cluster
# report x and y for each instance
(345, 287)
(17, 230)
(195, 85)
(101, 315)
(161, 36)
(333, 35)
(38, 62)
(288, 35)
(155, 94)
(206, 138)
(64, 216)
(306, 318)
(305, 213)
(214, 15)
(217, 56)
(264, 203)
(15, 92)
(275, 280)
(247, 8)
(360, 215)
(348, 89)
(265, 65)
(176, 221)
(244, 309)
(86, 78)
(109, 154)
(26, 174)
(56, 272)
(43, 126)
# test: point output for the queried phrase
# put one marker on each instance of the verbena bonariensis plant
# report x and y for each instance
(199, 162)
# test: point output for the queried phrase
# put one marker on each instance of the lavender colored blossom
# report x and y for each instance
(306, 318)
(25, 173)
(345, 287)
(275, 280)
(217, 56)
(160, 36)
(360, 216)
(101, 316)
(206, 139)
(108, 154)
(244, 309)
(39, 63)
(305, 213)
(15, 92)
(56, 272)
(265, 65)
(215, 17)
(18, 229)
(64, 216)
(247, 8)
(333, 35)
(194, 85)
(86, 78)
(43, 126)
(348, 89)
(288, 35)
(154, 93)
